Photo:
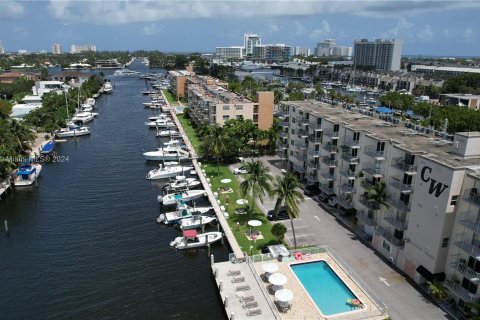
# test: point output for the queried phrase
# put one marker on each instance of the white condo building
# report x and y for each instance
(79, 48)
(430, 225)
(225, 53)
(328, 48)
(380, 54)
(57, 49)
(250, 40)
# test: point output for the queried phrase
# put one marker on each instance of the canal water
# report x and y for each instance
(85, 243)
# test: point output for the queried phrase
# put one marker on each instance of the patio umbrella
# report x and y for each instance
(254, 223)
(270, 267)
(242, 201)
(284, 295)
(278, 280)
(226, 180)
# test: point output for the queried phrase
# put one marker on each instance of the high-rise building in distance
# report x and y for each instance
(250, 40)
(79, 48)
(2, 49)
(380, 54)
(56, 48)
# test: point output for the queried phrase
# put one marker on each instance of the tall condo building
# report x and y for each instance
(380, 54)
(324, 48)
(250, 40)
(2, 49)
(79, 48)
(225, 53)
(56, 48)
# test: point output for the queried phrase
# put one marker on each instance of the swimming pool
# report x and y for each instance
(324, 286)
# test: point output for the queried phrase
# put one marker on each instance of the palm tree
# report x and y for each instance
(215, 143)
(22, 136)
(285, 189)
(257, 181)
(377, 194)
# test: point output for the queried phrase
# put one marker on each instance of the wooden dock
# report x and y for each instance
(5, 185)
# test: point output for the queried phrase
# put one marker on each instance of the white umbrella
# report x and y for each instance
(254, 223)
(270, 267)
(277, 279)
(242, 201)
(226, 180)
(284, 295)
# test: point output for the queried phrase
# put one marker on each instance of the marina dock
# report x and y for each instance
(4, 186)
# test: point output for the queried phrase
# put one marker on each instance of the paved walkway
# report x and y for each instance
(318, 227)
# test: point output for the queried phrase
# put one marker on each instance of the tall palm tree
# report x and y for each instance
(257, 181)
(285, 189)
(215, 143)
(377, 194)
(22, 136)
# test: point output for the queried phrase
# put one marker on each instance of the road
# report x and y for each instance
(318, 227)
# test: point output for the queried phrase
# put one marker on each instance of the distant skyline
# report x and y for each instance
(427, 27)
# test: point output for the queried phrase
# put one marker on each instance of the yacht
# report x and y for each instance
(182, 182)
(72, 130)
(161, 123)
(182, 212)
(86, 108)
(83, 117)
(161, 116)
(186, 195)
(47, 147)
(167, 171)
(167, 154)
(191, 239)
(26, 174)
(166, 133)
(196, 221)
(107, 87)
(90, 101)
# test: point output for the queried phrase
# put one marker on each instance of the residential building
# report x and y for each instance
(42, 87)
(272, 53)
(342, 51)
(71, 77)
(430, 225)
(57, 49)
(210, 102)
(178, 80)
(470, 101)
(108, 64)
(10, 77)
(79, 48)
(250, 40)
(298, 51)
(225, 53)
(445, 70)
(380, 54)
(325, 48)
(2, 49)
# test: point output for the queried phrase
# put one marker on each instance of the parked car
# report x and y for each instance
(323, 197)
(311, 190)
(240, 170)
(332, 201)
(282, 215)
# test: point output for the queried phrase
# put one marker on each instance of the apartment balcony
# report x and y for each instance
(303, 133)
(284, 134)
(369, 204)
(472, 196)
(353, 144)
(396, 222)
(312, 176)
(285, 124)
(313, 165)
(327, 175)
(331, 163)
(348, 189)
(348, 157)
(330, 147)
(301, 145)
(345, 201)
(326, 188)
(363, 217)
(299, 169)
(348, 174)
(471, 248)
(461, 266)
(374, 153)
(374, 171)
(365, 183)
(460, 291)
(397, 184)
(313, 153)
(470, 221)
(387, 234)
(301, 156)
(399, 205)
(313, 139)
(331, 134)
(400, 163)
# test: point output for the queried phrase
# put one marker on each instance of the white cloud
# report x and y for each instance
(426, 33)
(11, 9)
(322, 32)
(152, 29)
(122, 12)
(468, 34)
(399, 30)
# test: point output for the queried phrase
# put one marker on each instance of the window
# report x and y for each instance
(386, 245)
(255, 109)
(398, 234)
(445, 242)
(238, 107)
(255, 118)
(226, 107)
(225, 118)
(239, 117)
(454, 200)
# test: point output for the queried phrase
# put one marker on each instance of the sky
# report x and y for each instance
(427, 27)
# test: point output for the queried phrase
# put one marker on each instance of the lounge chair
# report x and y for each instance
(234, 272)
(238, 279)
(242, 288)
(247, 299)
(250, 305)
(254, 312)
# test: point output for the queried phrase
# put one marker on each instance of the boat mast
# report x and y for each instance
(66, 102)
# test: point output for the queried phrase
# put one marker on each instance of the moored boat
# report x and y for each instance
(196, 221)
(182, 212)
(186, 195)
(72, 130)
(167, 171)
(107, 87)
(26, 174)
(167, 154)
(47, 147)
(191, 239)
(182, 182)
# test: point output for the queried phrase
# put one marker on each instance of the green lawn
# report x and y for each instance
(170, 97)
(192, 135)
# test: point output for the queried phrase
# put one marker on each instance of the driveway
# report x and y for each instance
(318, 227)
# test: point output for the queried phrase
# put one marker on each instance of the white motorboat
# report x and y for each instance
(161, 123)
(26, 174)
(83, 117)
(167, 171)
(167, 154)
(161, 116)
(72, 130)
(86, 108)
(186, 195)
(166, 133)
(107, 87)
(195, 222)
(90, 101)
(191, 239)
(182, 182)
(182, 212)
(174, 143)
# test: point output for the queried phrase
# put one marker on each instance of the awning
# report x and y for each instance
(430, 276)
(190, 233)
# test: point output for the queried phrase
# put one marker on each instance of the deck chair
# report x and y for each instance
(242, 288)
(250, 305)
(254, 312)
(234, 272)
(238, 279)
(247, 299)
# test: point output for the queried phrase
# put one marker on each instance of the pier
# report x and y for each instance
(4, 186)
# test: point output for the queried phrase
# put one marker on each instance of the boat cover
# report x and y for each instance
(189, 234)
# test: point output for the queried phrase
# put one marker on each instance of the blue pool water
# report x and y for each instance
(325, 288)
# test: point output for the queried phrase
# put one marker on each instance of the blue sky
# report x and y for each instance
(427, 27)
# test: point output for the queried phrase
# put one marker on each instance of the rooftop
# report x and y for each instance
(211, 88)
(436, 148)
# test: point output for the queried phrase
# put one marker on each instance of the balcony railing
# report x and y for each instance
(312, 138)
(326, 188)
(330, 147)
(400, 163)
(352, 143)
(345, 188)
(470, 221)
(373, 170)
(460, 291)
(399, 205)
(369, 204)
(472, 196)
(329, 162)
(389, 237)
(284, 123)
(403, 187)
(345, 202)
(284, 134)
(302, 121)
(312, 176)
(363, 216)
(313, 164)
(301, 145)
(348, 173)
(330, 133)
(314, 153)
(348, 157)
(469, 248)
(327, 175)
(303, 133)
(397, 223)
(461, 266)
(299, 169)
(373, 152)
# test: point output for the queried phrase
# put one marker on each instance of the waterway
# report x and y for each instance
(85, 244)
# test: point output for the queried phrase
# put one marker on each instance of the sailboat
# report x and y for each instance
(72, 129)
